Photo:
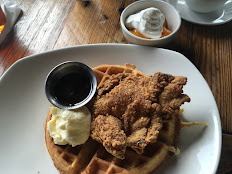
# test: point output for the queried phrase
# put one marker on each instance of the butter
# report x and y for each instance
(69, 126)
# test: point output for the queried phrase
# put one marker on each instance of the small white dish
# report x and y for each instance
(172, 17)
(221, 16)
(24, 107)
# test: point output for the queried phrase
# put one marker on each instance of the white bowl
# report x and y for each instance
(172, 17)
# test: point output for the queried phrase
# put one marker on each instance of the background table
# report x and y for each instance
(50, 24)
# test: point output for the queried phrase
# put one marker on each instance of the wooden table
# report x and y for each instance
(50, 24)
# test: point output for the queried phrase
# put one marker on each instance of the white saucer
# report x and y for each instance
(218, 17)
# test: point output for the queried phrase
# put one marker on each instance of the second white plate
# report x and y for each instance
(218, 17)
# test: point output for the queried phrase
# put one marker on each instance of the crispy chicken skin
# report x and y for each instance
(110, 135)
(129, 110)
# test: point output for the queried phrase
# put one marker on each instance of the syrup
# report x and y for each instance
(72, 88)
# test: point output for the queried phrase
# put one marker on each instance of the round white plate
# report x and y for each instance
(24, 107)
(218, 17)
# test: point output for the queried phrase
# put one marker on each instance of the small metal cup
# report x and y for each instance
(61, 91)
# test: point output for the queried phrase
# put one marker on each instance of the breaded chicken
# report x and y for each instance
(129, 110)
(110, 135)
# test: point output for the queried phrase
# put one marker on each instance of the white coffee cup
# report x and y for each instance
(205, 6)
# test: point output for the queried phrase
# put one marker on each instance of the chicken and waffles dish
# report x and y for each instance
(135, 122)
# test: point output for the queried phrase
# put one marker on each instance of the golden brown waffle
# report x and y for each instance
(91, 157)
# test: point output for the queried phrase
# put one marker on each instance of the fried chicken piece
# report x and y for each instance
(137, 91)
(139, 139)
(139, 104)
(171, 97)
(131, 101)
(108, 131)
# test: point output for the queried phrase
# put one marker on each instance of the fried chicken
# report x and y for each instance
(129, 110)
(110, 135)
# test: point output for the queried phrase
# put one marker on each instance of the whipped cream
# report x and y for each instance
(149, 22)
(69, 126)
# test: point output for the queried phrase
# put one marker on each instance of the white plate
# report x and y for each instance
(24, 107)
(218, 17)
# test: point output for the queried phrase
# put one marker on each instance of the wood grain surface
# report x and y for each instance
(225, 165)
(50, 24)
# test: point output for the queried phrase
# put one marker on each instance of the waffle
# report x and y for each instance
(91, 157)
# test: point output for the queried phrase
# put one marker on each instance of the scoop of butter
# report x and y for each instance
(69, 126)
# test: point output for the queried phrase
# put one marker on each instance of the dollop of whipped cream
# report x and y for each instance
(69, 126)
(149, 22)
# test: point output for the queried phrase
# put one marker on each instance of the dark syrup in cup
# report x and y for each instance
(70, 85)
